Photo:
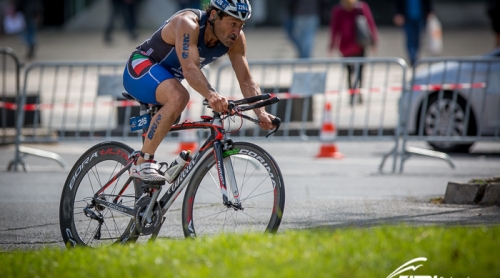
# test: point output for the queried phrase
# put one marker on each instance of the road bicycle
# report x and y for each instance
(231, 187)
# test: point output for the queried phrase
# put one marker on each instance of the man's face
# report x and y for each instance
(228, 29)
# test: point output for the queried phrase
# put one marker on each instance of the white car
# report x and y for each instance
(455, 98)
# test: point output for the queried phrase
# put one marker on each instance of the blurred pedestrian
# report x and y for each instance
(493, 10)
(33, 16)
(412, 15)
(344, 38)
(127, 9)
(301, 24)
(189, 4)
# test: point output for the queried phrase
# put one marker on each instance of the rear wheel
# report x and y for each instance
(444, 118)
(261, 192)
(82, 221)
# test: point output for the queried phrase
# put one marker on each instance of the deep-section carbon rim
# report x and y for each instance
(95, 168)
(261, 191)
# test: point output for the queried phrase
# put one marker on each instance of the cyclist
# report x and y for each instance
(186, 42)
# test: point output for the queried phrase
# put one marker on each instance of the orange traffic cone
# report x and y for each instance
(188, 138)
(327, 136)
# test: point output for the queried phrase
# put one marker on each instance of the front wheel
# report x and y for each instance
(82, 221)
(261, 194)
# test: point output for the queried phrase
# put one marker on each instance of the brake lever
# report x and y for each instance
(277, 122)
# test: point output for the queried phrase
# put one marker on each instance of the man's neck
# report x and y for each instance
(210, 39)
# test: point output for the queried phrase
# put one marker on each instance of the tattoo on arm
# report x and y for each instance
(185, 46)
(210, 88)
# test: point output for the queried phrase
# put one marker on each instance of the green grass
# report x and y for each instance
(353, 252)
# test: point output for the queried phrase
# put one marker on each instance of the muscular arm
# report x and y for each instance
(184, 31)
(237, 55)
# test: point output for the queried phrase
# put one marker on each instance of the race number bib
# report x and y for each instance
(140, 122)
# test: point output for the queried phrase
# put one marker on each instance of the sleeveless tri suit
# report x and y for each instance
(155, 61)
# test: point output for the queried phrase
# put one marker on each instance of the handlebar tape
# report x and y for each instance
(267, 102)
(252, 99)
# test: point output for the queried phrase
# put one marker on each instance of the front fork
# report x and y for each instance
(226, 174)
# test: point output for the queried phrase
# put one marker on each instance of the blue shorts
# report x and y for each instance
(142, 76)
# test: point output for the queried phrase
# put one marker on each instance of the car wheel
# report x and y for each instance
(439, 114)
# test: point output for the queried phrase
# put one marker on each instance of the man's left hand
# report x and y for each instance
(266, 121)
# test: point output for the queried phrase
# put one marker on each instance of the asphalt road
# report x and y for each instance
(319, 192)
(331, 193)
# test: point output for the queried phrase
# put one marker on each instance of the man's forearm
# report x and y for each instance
(199, 82)
(250, 89)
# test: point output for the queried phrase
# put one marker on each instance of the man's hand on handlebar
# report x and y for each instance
(218, 103)
(266, 121)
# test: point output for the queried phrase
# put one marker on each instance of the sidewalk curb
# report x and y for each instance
(475, 192)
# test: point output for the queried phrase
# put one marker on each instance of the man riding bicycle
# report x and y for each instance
(186, 42)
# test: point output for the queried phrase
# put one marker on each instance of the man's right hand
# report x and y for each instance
(218, 102)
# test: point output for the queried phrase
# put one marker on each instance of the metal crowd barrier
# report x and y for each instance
(76, 101)
(10, 67)
(312, 89)
(451, 103)
(305, 86)
(66, 104)
(72, 101)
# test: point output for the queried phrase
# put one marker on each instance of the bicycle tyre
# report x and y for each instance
(92, 170)
(203, 211)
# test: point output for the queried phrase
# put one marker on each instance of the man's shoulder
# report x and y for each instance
(186, 18)
(188, 14)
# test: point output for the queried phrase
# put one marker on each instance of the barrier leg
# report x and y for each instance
(35, 152)
(418, 151)
(393, 152)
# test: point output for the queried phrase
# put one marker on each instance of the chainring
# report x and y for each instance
(140, 208)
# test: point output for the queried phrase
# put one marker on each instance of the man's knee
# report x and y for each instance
(177, 100)
(169, 93)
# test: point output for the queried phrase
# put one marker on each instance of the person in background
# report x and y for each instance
(343, 38)
(127, 9)
(33, 15)
(412, 15)
(301, 25)
(493, 11)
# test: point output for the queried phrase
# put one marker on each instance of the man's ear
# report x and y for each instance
(213, 14)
